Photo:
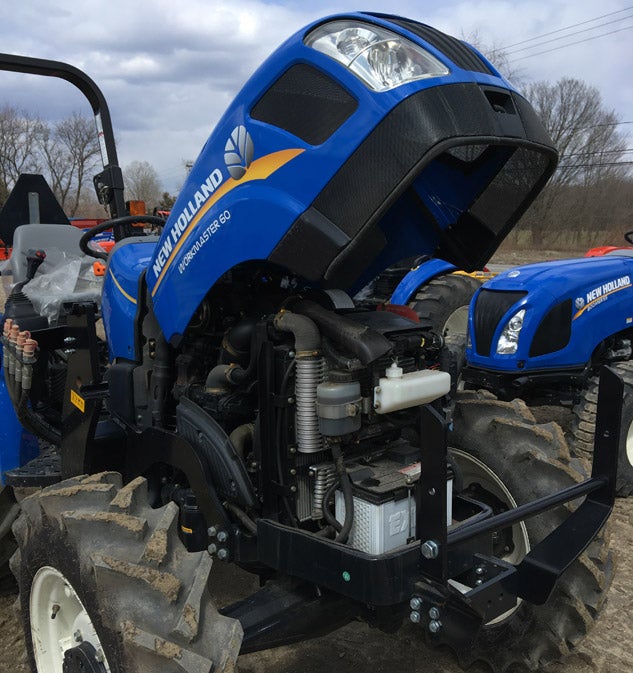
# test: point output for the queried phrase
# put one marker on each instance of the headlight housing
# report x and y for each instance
(379, 57)
(509, 339)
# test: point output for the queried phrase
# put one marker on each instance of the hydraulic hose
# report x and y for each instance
(348, 496)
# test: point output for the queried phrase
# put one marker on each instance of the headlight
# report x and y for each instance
(509, 339)
(381, 59)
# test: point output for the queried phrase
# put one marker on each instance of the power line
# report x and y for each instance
(574, 25)
(563, 37)
(589, 154)
(600, 165)
(571, 44)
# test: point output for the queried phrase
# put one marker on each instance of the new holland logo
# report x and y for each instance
(238, 152)
(579, 303)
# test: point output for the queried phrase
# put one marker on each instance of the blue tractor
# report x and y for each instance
(241, 408)
(542, 331)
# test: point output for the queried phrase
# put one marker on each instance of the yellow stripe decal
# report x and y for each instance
(598, 300)
(260, 169)
(129, 297)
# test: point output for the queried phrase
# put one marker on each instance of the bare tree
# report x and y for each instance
(591, 148)
(142, 183)
(19, 138)
(71, 151)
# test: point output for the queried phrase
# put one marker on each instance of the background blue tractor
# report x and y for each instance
(542, 331)
(538, 332)
(244, 409)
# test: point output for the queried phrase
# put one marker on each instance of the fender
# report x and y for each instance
(418, 276)
(17, 446)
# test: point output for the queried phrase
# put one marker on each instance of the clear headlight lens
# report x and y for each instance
(381, 59)
(509, 339)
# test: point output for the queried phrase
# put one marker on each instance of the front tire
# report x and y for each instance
(522, 461)
(97, 567)
(584, 425)
(444, 301)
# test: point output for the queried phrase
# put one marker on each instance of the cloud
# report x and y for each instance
(169, 69)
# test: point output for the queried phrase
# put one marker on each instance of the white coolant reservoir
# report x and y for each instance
(401, 391)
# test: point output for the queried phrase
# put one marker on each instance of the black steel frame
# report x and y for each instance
(109, 183)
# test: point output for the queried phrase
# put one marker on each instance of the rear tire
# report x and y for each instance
(584, 425)
(444, 301)
(9, 510)
(528, 460)
(93, 557)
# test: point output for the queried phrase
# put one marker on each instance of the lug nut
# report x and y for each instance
(415, 617)
(415, 603)
(223, 536)
(434, 613)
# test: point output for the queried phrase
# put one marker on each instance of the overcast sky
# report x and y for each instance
(169, 68)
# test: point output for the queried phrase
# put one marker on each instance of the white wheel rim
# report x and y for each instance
(52, 594)
(457, 322)
(629, 445)
(473, 470)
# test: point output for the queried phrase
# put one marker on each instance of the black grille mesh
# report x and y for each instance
(490, 307)
(461, 54)
(554, 331)
(305, 102)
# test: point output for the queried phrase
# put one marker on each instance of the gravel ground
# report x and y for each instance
(356, 648)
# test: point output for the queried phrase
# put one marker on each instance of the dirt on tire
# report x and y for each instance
(356, 648)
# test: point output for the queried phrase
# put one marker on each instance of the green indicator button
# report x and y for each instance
(346, 576)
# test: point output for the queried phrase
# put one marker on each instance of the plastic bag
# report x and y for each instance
(70, 280)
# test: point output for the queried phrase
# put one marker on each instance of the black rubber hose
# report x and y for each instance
(340, 360)
(363, 342)
(236, 374)
(242, 517)
(327, 515)
(38, 426)
(109, 224)
(306, 333)
(348, 496)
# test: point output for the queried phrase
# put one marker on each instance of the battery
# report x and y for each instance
(384, 505)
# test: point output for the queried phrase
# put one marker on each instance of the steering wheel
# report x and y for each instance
(108, 224)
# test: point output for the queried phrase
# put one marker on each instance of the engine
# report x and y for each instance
(308, 409)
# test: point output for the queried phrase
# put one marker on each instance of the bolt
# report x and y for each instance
(435, 626)
(212, 531)
(293, 489)
(293, 472)
(54, 610)
(479, 570)
(415, 617)
(430, 550)
(415, 603)
(223, 554)
(432, 491)
(434, 613)
(223, 536)
(291, 400)
(78, 637)
(212, 549)
(69, 340)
